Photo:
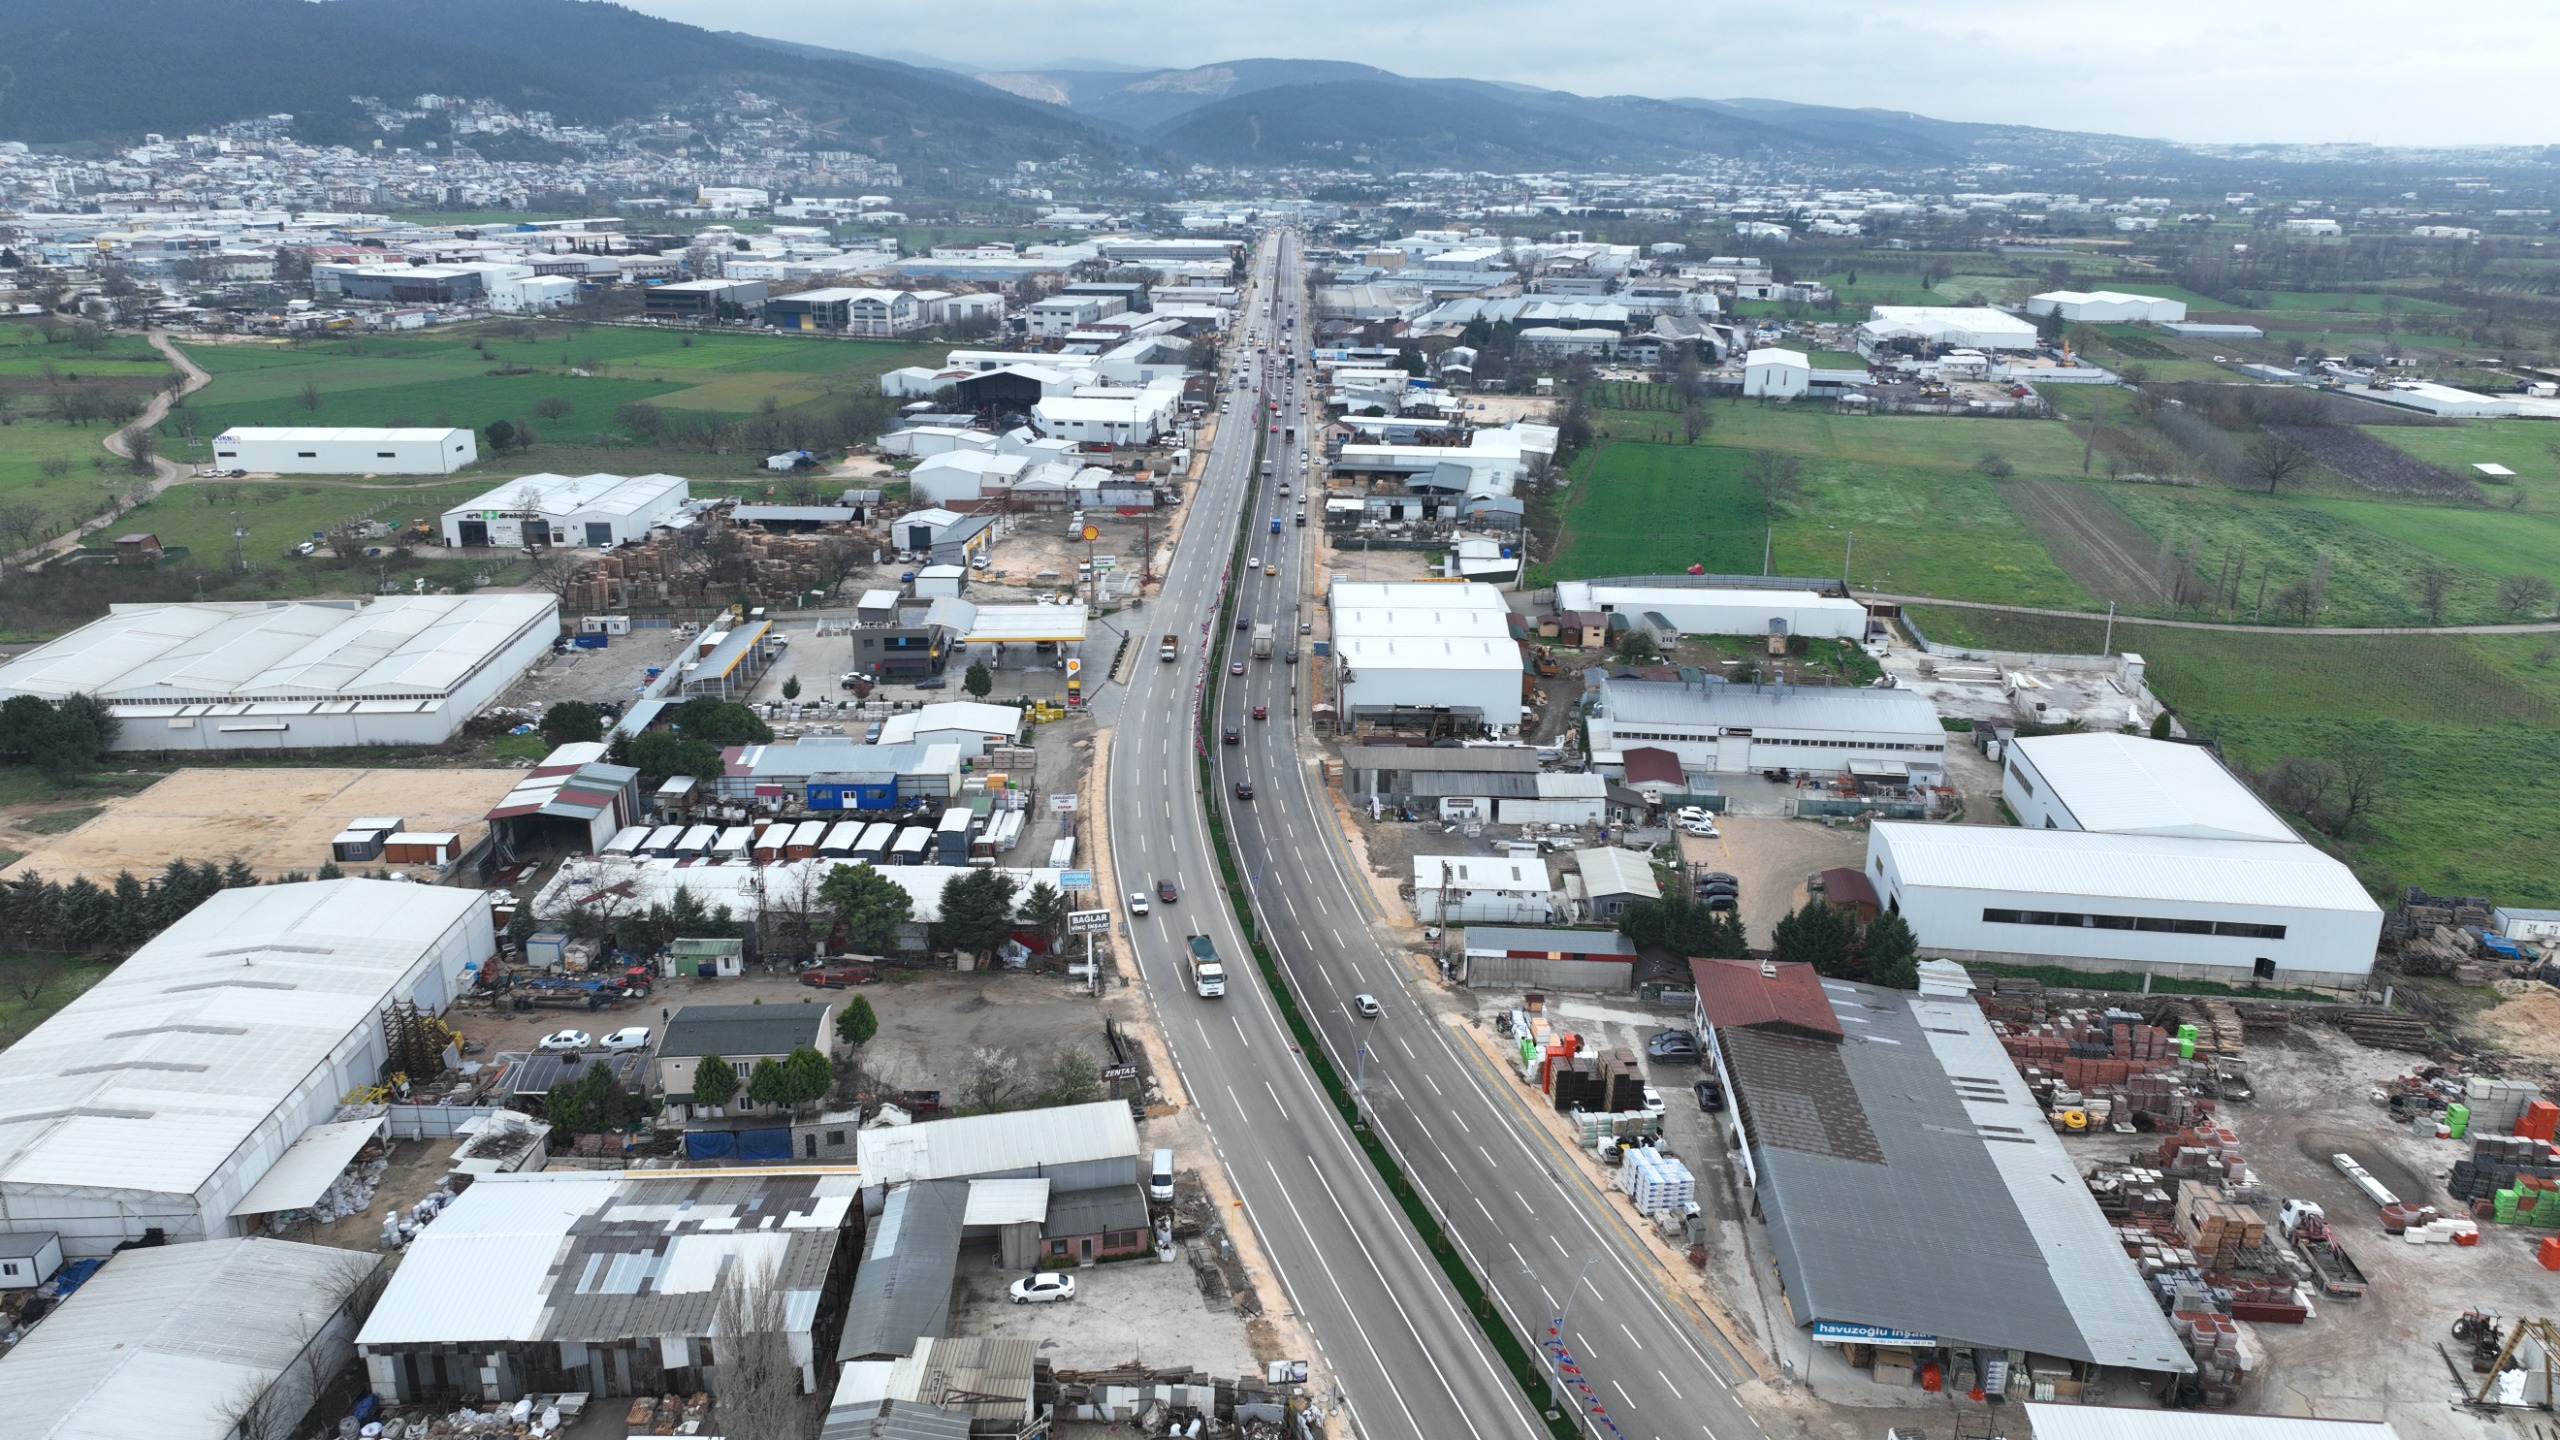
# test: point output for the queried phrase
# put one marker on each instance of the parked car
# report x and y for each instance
(1653, 1105)
(931, 682)
(1677, 1046)
(1710, 1093)
(1704, 829)
(627, 1039)
(1137, 902)
(838, 977)
(566, 1040)
(1042, 1288)
(1366, 1005)
(1165, 892)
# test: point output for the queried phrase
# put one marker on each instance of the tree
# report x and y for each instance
(59, 740)
(759, 1382)
(857, 1022)
(502, 436)
(2434, 581)
(1817, 935)
(996, 1080)
(2522, 595)
(29, 975)
(308, 397)
(1995, 465)
(659, 755)
(1637, 646)
(977, 910)
(715, 721)
(1694, 419)
(566, 1107)
(2277, 460)
(1044, 911)
(2364, 771)
(1410, 361)
(715, 1081)
(978, 682)
(1070, 1076)
(553, 407)
(791, 688)
(2160, 726)
(806, 1077)
(2300, 786)
(23, 523)
(1892, 953)
(1778, 477)
(608, 1104)
(767, 1084)
(870, 907)
(570, 722)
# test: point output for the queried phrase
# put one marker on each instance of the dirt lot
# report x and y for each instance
(1127, 1312)
(1771, 858)
(276, 820)
(2526, 1024)
(617, 673)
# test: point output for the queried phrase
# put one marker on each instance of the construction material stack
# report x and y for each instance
(1657, 1182)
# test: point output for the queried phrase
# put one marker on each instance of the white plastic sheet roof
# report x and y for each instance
(2120, 867)
(2133, 785)
(408, 648)
(151, 1081)
(155, 1345)
(308, 1168)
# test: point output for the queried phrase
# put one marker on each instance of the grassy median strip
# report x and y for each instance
(1479, 1302)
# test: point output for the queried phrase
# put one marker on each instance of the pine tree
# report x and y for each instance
(1893, 953)
(715, 1081)
(1817, 935)
(857, 1022)
(767, 1084)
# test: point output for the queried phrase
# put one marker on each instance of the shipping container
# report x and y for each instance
(735, 842)
(841, 839)
(804, 840)
(627, 841)
(914, 846)
(876, 839)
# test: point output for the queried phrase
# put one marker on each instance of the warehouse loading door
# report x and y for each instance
(474, 532)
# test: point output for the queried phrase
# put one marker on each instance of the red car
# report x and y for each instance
(1261, 712)
(837, 977)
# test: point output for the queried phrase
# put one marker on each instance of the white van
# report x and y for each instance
(1160, 1177)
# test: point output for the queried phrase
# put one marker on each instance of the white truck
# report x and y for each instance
(1208, 975)
(1262, 637)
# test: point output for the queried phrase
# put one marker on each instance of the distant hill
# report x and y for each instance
(111, 72)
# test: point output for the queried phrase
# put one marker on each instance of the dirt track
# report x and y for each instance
(2090, 539)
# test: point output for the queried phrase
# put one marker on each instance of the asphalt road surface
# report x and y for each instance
(1410, 1361)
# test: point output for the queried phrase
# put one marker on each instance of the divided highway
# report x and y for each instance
(1410, 1361)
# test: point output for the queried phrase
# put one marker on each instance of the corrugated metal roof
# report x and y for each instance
(156, 1079)
(1768, 709)
(1741, 995)
(893, 1420)
(603, 1256)
(1007, 1202)
(2121, 867)
(156, 1344)
(2133, 785)
(1511, 939)
(1890, 1204)
(401, 647)
(598, 494)
(902, 1292)
(994, 1144)
(1610, 870)
(2110, 1422)
(1091, 1212)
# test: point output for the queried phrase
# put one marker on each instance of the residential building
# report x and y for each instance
(740, 1035)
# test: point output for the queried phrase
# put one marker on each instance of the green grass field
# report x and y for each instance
(2041, 447)
(2373, 571)
(2524, 446)
(440, 379)
(2486, 543)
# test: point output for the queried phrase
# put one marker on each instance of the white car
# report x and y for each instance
(627, 1039)
(567, 1040)
(1706, 829)
(1653, 1105)
(1137, 902)
(1367, 1005)
(1042, 1288)
(1252, 562)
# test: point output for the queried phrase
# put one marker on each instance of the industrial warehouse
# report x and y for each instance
(1425, 646)
(238, 675)
(584, 511)
(332, 450)
(2145, 855)
(164, 1102)
(1712, 725)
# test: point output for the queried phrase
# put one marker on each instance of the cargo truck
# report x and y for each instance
(1262, 641)
(1171, 649)
(1208, 976)
(2307, 1226)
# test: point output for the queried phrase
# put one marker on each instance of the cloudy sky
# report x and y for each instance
(2456, 72)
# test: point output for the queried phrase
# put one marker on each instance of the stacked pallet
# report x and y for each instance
(2382, 1029)
(2222, 1029)
(2219, 1231)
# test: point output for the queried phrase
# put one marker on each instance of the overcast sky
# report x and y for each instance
(2457, 72)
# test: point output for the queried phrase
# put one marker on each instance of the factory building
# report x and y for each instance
(240, 675)
(2133, 854)
(167, 1097)
(340, 450)
(1714, 726)
(1935, 327)
(590, 511)
(2107, 307)
(1424, 645)
(1686, 609)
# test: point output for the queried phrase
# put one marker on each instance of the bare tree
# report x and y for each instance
(1777, 476)
(759, 1387)
(2363, 773)
(555, 572)
(2278, 461)
(31, 974)
(2300, 786)
(996, 1080)
(2522, 595)
(553, 407)
(23, 526)
(2433, 583)
(308, 397)
(347, 541)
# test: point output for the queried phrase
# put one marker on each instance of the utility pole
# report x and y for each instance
(2108, 645)
(1768, 547)
(1845, 554)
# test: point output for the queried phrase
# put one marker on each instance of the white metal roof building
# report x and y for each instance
(163, 1342)
(2113, 1422)
(1730, 728)
(1971, 327)
(2130, 785)
(2107, 307)
(566, 510)
(163, 1095)
(246, 675)
(2215, 909)
(1776, 374)
(1424, 644)
(609, 1275)
(1482, 890)
(1073, 1147)
(340, 450)
(1708, 610)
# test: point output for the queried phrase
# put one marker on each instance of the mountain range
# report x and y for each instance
(89, 75)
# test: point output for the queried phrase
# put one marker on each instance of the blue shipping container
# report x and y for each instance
(590, 642)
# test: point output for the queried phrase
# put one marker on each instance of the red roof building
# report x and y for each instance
(1762, 995)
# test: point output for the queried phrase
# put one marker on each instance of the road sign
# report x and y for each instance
(1063, 802)
(1088, 922)
(1074, 666)
(1106, 562)
(1092, 533)
(1075, 879)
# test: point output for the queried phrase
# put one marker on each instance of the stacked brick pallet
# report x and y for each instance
(2206, 1152)
(2497, 1164)
(2213, 1342)
(2220, 1232)
(768, 569)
